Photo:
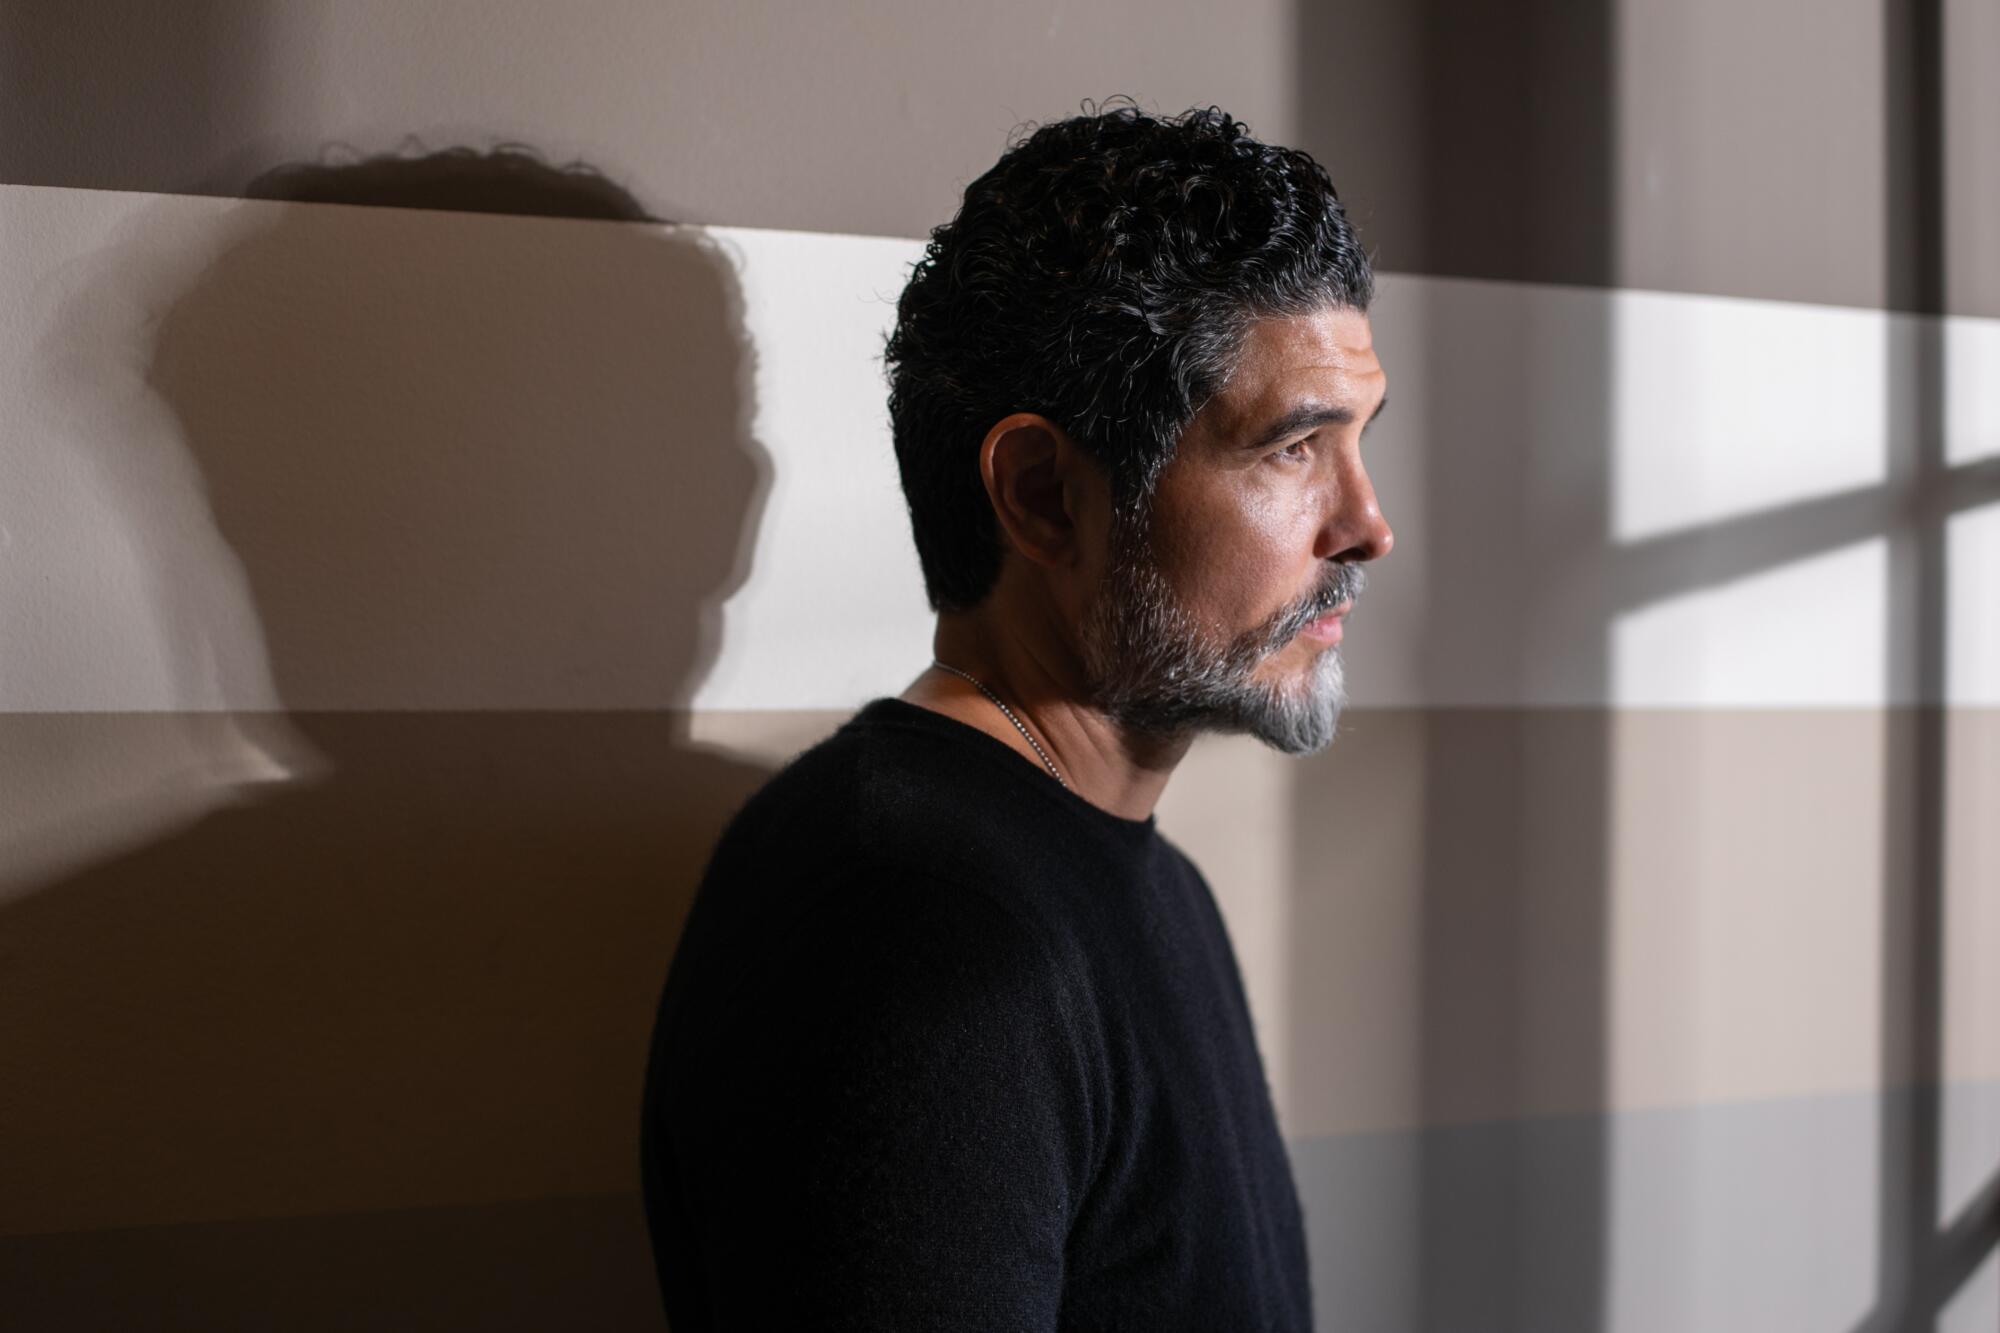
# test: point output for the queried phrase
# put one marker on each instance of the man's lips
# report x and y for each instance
(1326, 629)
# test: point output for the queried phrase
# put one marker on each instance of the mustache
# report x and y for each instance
(1341, 583)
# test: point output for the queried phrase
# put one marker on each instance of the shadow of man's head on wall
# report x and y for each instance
(472, 463)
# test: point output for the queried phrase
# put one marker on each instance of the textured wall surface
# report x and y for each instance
(394, 603)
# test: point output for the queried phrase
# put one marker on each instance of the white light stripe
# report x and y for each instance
(393, 459)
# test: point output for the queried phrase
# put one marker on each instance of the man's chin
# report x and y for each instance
(1299, 732)
(1303, 718)
(1151, 675)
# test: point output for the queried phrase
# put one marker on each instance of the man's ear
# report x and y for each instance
(1038, 481)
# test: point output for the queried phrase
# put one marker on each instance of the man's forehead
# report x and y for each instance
(1328, 357)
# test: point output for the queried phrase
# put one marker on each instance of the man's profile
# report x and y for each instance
(955, 1038)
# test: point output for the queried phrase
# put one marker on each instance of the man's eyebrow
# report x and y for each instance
(1309, 416)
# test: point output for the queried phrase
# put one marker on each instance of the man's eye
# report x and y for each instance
(1296, 450)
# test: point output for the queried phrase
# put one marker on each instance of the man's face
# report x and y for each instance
(1218, 610)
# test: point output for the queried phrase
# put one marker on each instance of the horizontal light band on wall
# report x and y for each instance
(1972, 592)
(1724, 407)
(302, 456)
(1812, 632)
(1972, 390)
(322, 457)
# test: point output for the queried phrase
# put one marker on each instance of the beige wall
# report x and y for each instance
(1737, 149)
(396, 603)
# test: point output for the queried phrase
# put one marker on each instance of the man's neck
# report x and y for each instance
(1036, 676)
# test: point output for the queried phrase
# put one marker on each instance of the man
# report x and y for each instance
(954, 1038)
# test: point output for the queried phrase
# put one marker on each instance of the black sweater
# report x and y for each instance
(947, 1047)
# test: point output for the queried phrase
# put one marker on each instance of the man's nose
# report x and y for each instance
(1354, 528)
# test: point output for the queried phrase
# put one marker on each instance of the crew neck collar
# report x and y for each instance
(901, 712)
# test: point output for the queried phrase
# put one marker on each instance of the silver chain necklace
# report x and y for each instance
(980, 685)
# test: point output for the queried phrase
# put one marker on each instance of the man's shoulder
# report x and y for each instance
(898, 787)
(852, 894)
(901, 814)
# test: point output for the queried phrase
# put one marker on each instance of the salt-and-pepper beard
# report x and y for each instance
(1150, 667)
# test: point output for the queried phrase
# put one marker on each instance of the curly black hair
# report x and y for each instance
(1102, 273)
